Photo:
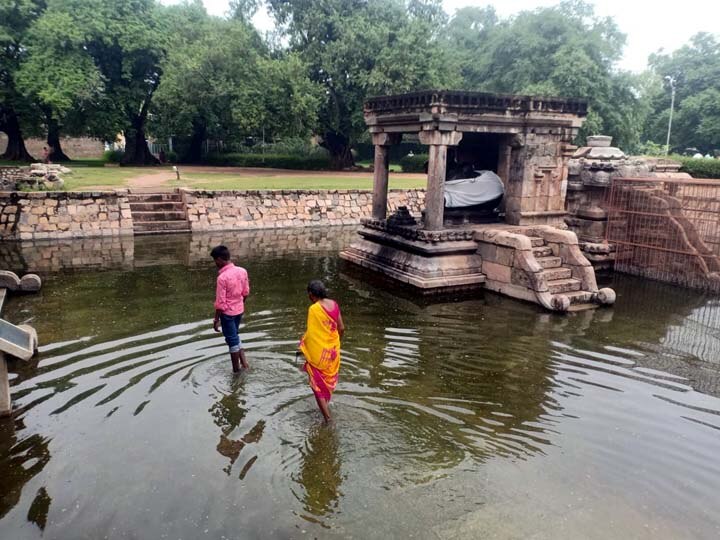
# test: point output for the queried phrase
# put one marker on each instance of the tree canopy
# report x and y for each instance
(695, 69)
(359, 48)
(221, 82)
(99, 67)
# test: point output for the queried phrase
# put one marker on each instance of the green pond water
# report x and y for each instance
(472, 417)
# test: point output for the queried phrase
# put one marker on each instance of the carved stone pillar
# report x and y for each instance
(438, 141)
(382, 142)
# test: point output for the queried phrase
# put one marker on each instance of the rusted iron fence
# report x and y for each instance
(667, 229)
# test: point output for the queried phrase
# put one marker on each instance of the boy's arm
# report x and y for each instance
(220, 302)
(246, 288)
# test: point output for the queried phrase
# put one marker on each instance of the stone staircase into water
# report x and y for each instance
(540, 264)
(156, 213)
(559, 278)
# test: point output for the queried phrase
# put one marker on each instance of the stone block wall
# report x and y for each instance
(232, 210)
(537, 177)
(74, 147)
(44, 215)
(8, 176)
(58, 215)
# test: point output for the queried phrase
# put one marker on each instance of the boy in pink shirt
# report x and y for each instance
(233, 286)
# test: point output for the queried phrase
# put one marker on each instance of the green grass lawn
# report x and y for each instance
(83, 177)
(394, 167)
(222, 181)
(92, 174)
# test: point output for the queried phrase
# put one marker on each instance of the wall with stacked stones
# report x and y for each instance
(232, 210)
(74, 147)
(46, 215)
(8, 176)
(58, 215)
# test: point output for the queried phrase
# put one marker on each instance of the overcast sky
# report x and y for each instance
(648, 25)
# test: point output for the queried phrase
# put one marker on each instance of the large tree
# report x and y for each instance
(16, 109)
(109, 50)
(220, 82)
(695, 69)
(64, 84)
(563, 50)
(359, 48)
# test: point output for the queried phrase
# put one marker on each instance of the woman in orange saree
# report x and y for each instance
(320, 345)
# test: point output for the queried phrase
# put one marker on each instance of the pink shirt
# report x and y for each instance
(233, 286)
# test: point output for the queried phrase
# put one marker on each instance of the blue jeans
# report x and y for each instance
(230, 325)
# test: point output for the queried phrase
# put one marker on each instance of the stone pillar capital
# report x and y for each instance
(444, 138)
(386, 139)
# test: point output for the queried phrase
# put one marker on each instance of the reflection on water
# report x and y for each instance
(454, 418)
(320, 472)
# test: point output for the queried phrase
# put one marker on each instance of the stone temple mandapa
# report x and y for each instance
(521, 248)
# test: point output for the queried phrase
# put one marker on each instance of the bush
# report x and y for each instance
(649, 148)
(701, 168)
(113, 156)
(276, 161)
(415, 163)
(171, 157)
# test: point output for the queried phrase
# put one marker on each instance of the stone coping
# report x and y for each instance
(63, 194)
(192, 192)
(260, 192)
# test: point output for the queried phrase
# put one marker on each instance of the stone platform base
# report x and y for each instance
(539, 264)
(442, 265)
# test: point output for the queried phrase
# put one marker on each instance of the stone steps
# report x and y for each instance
(549, 262)
(536, 241)
(154, 197)
(564, 285)
(559, 278)
(149, 227)
(544, 251)
(157, 206)
(158, 213)
(580, 297)
(551, 274)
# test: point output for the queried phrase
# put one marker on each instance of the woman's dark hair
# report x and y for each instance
(220, 252)
(317, 289)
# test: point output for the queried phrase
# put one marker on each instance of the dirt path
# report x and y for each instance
(158, 180)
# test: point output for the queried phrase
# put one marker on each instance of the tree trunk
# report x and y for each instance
(53, 141)
(137, 151)
(199, 134)
(339, 147)
(136, 147)
(15, 150)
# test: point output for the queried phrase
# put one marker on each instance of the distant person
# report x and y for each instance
(46, 155)
(233, 287)
(320, 345)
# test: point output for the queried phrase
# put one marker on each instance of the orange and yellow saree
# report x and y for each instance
(321, 347)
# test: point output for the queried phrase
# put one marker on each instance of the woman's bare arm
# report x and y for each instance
(341, 325)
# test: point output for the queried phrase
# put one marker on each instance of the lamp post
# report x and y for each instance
(671, 81)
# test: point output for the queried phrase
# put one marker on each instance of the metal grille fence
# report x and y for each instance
(667, 229)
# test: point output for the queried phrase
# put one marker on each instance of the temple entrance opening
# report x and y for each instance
(473, 190)
(479, 151)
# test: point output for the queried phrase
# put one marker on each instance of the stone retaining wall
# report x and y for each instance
(58, 215)
(44, 215)
(74, 147)
(8, 176)
(231, 210)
